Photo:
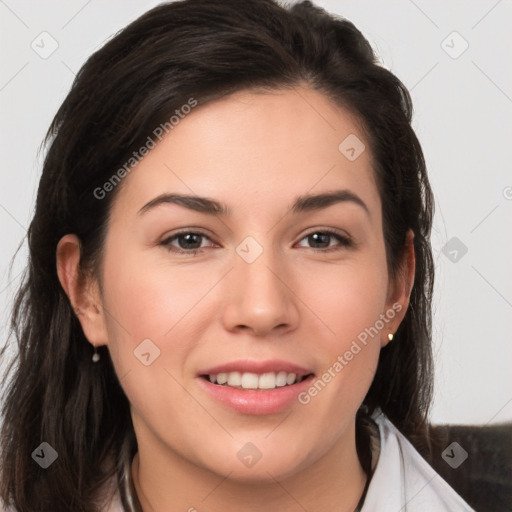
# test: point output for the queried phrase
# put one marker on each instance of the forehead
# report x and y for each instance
(253, 148)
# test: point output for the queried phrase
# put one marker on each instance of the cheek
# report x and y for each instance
(346, 299)
(148, 296)
(152, 327)
(153, 302)
(349, 303)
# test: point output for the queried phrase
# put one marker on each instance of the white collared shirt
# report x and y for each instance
(403, 481)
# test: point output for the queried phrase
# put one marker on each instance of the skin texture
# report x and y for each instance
(256, 152)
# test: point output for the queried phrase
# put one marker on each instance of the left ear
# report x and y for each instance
(399, 290)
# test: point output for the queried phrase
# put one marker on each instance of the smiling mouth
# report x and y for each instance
(248, 380)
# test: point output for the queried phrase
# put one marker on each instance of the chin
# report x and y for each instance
(252, 466)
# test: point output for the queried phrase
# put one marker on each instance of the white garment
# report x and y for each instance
(403, 481)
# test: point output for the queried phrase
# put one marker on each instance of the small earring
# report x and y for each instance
(390, 337)
(95, 356)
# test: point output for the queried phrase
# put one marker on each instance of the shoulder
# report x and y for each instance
(403, 480)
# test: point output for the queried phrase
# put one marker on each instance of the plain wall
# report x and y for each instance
(463, 106)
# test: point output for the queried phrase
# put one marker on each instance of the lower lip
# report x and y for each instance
(256, 401)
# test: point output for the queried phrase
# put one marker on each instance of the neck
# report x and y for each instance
(165, 481)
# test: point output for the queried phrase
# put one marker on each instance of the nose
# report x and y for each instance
(260, 299)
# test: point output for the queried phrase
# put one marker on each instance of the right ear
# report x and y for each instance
(83, 292)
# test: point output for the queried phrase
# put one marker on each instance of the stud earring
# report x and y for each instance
(95, 356)
(390, 337)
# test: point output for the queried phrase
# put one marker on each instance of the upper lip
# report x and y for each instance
(259, 367)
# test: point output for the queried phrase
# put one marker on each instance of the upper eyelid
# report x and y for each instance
(332, 231)
(186, 231)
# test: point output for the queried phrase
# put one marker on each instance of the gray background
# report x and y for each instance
(463, 105)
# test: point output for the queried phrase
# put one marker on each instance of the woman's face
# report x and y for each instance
(270, 290)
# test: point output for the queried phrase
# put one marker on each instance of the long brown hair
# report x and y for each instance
(205, 50)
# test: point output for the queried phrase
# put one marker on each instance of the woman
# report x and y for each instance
(227, 305)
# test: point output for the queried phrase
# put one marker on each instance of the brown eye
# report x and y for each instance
(188, 242)
(321, 240)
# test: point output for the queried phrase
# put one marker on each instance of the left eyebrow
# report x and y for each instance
(209, 206)
(312, 202)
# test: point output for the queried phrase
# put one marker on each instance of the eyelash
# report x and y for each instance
(345, 242)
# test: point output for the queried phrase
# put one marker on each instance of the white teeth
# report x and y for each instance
(222, 378)
(281, 379)
(290, 378)
(249, 380)
(234, 379)
(267, 381)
